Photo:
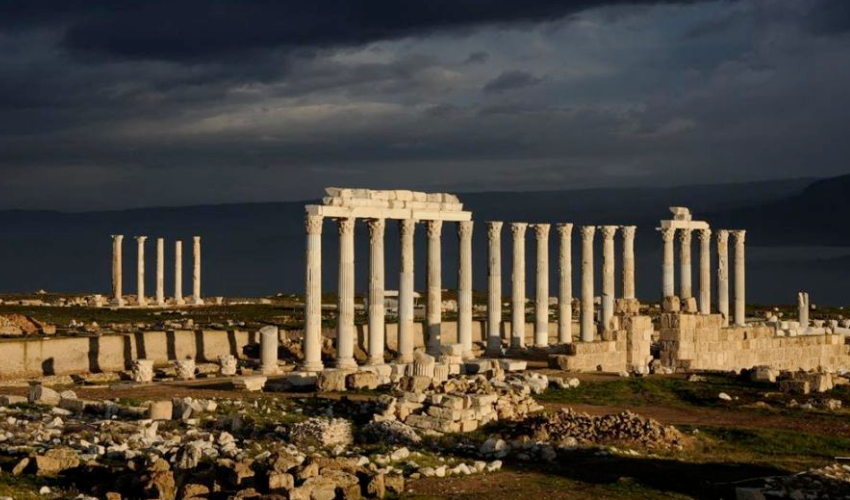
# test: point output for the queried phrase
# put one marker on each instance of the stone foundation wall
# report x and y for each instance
(22, 358)
(699, 342)
(626, 349)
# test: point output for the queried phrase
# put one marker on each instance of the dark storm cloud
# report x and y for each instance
(829, 17)
(511, 80)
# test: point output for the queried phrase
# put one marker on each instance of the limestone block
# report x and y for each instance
(441, 372)
(161, 410)
(428, 422)
(454, 402)
(362, 380)
(250, 383)
(474, 366)
(451, 349)
(627, 307)
(671, 304)
(333, 380)
(513, 365)
(763, 374)
(792, 386)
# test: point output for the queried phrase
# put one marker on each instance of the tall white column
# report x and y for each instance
(723, 274)
(406, 229)
(608, 289)
(117, 271)
(313, 296)
(565, 283)
(434, 301)
(196, 271)
(160, 272)
(667, 272)
(740, 278)
(269, 342)
(345, 333)
(685, 288)
(705, 271)
(587, 331)
(541, 295)
(494, 288)
(464, 284)
(803, 309)
(518, 285)
(377, 333)
(178, 273)
(140, 270)
(628, 261)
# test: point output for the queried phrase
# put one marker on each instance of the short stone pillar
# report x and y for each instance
(667, 273)
(608, 290)
(723, 275)
(140, 271)
(196, 271)
(185, 369)
(160, 272)
(629, 261)
(227, 365)
(313, 296)
(178, 273)
(541, 295)
(464, 287)
(803, 309)
(685, 288)
(588, 333)
(142, 371)
(423, 364)
(377, 333)
(434, 283)
(117, 272)
(494, 288)
(269, 342)
(518, 285)
(740, 278)
(705, 271)
(345, 333)
(565, 283)
(406, 229)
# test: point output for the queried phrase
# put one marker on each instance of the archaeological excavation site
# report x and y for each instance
(415, 383)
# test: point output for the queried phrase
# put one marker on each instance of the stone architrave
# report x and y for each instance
(608, 274)
(723, 275)
(588, 333)
(518, 285)
(377, 333)
(464, 292)
(541, 295)
(494, 288)
(313, 296)
(117, 271)
(434, 300)
(667, 272)
(406, 228)
(565, 283)
(705, 271)
(345, 333)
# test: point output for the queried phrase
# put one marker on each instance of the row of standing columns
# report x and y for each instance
(159, 299)
(704, 296)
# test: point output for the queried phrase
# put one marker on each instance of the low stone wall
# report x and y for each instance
(626, 349)
(36, 357)
(700, 342)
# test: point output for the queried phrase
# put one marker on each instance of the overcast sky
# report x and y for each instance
(175, 103)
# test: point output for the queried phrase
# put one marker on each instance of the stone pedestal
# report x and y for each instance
(377, 333)
(518, 285)
(313, 296)
(434, 300)
(140, 271)
(117, 271)
(705, 271)
(588, 333)
(464, 292)
(608, 292)
(723, 275)
(667, 275)
(406, 229)
(565, 283)
(269, 342)
(345, 332)
(494, 289)
(541, 296)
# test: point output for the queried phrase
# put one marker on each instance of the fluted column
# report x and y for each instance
(608, 288)
(117, 271)
(377, 333)
(140, 270)
(587, 331)
(160, 272)
(740, 278)
(494, 289)
(178, 273)
(541, 295)
(565, 283)
(685, 288)
(723, 275)
(667, 272)
(406, 229)
(313, 296)
(464, 285)
(518, 285)
(345, 333)
(196, 271)
(705, 271)
(269, 343)
(434, 301)
(628, 261)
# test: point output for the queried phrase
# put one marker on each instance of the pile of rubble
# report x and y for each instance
(798, 382)
(832, 481)
(18, 324)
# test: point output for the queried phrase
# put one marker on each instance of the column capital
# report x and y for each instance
(704, 235)
(494, 229)
(684, 235)
(722, 236)
(518, 229)
(628, 232)
(117, 237)
(541, 231)
(464, 228)
(435, 228)
(313, 224)
(141, 239)
(377, 227)
(608, 232)
(587, 231)
(564, 228)
(667, 233)
(740, 236)
(345, 226)
(406, 226)
(196, 239)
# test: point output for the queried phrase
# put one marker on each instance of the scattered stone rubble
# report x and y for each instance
(831, 481)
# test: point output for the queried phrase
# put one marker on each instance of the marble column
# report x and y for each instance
(196, 271)
(723, 275)
(518, 285)
(685, 288)
(140, 271)
(608, 289)
(740, 278)
(160, 272)
(588, 333)
(667, 272)
(178, 273)
(313, 296)
(345, 332)
(117, 271)
(377, 331)
(628, 261)
(434, 300)
(541, 283)
(705, 271)
(565, 283)
(269, 341)
(464, 285)
(406, 229)
(494, 288)
(803, 310)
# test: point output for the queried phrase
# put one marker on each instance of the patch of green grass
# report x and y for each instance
(26, 487)
(778, 443)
